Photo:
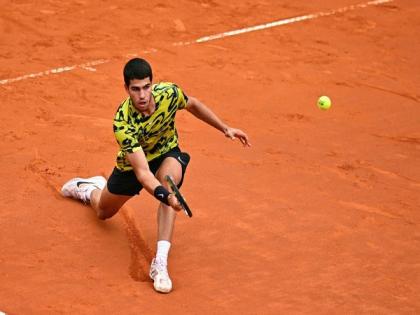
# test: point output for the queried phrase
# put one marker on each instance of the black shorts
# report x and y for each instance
(126, 183)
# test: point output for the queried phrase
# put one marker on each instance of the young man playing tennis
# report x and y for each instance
(144, 127)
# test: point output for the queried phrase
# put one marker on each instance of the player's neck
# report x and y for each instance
(151, 108)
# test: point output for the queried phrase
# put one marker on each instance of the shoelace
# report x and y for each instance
(81, 194)
(161, 268)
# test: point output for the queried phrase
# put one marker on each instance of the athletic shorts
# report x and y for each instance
(126, 183)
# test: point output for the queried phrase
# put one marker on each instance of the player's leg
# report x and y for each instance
(105, 203)
(166, 215)
(166, 219)
(106, 198)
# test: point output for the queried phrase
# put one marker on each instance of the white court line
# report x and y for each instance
(289, 21)
(88, 65)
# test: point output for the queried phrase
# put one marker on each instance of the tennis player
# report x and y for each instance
(144, 127)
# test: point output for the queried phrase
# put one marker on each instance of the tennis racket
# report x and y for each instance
(179, 196)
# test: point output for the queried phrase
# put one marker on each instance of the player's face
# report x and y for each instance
(140, 92)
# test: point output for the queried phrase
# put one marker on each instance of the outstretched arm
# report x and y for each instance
(202, 112)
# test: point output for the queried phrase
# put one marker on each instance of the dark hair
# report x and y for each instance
(137, 68)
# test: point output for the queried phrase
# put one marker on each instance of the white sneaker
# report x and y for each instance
(159, 274)
(80, 188)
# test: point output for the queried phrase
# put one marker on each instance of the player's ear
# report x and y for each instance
(126, 87)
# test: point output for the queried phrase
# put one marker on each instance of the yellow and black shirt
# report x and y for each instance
(155, 134)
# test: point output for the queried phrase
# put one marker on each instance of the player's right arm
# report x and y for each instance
(141, 168)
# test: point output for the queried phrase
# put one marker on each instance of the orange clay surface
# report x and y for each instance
(319, 216)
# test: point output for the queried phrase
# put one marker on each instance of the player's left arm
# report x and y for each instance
(202, 112)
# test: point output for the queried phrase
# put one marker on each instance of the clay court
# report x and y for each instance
(319, 216)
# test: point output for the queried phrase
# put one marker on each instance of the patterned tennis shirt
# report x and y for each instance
(155, 134)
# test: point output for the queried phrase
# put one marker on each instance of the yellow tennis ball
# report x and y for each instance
(324, 102)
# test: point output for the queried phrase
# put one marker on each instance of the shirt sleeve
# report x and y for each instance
(182, 97)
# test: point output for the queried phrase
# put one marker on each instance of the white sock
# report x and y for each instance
(163, 251)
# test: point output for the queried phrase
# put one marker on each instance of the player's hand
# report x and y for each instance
(234, 133)
(174, 203)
